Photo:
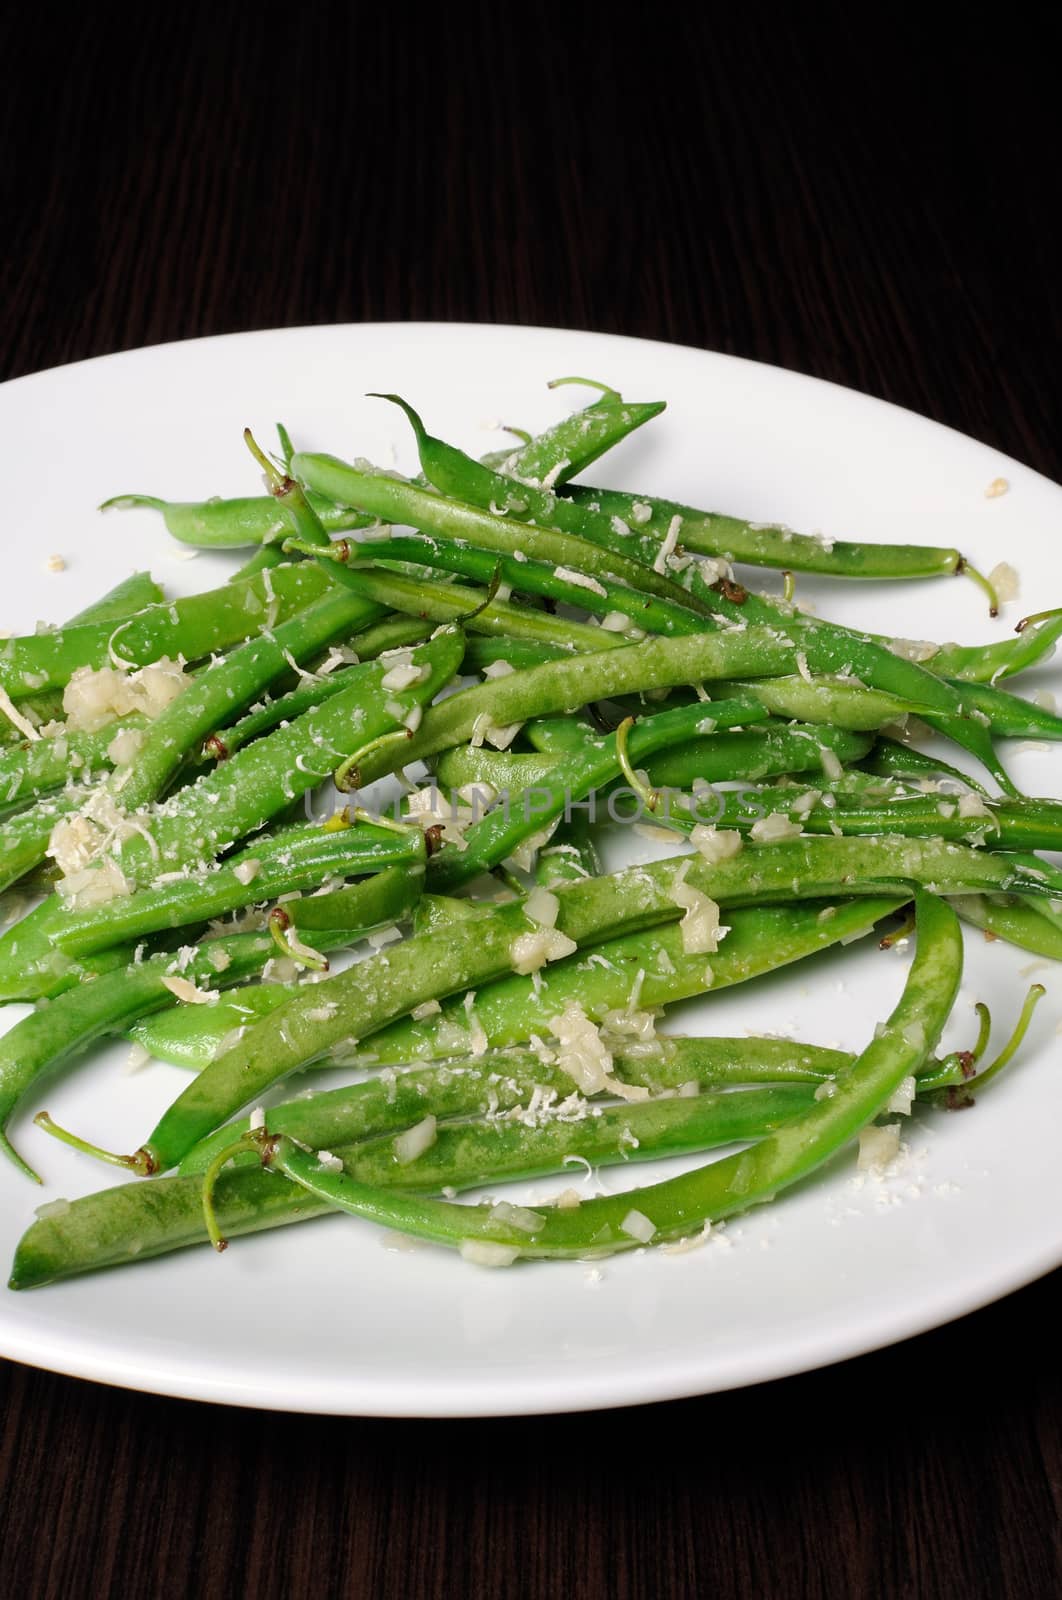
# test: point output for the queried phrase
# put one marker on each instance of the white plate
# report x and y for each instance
(322, 1317)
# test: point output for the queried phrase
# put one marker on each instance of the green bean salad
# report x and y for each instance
(348, 808)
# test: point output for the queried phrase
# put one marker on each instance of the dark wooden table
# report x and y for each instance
(884, 216)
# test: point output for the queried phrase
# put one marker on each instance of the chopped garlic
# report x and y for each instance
(542, 906)
(97, 695)
(831, 764)
(700, 927)
(414, 1141)
(878, 1146)
(125, 746)
(530, 951)
(482, 1253)
(582, 1054)
(586, 1058)
(903, 1099)
(1005, 581)
(972, 805)
(638, 1226)
(580, 580)
(94, 885)
(769, 830)
(997, 487)
(517, 1216)
(427, 1008)
(715, 844)
(245, 872)
(55, 564)
(404, 676)
(181, 989)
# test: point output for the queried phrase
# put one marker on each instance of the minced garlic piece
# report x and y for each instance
(715, 844)
(878, 1146)
(769, 830)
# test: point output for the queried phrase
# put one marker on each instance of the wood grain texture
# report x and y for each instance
(882, 217)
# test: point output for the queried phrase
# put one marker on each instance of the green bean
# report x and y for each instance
(770, 544)
(573, 444)
(1013, 920)
(297, 858)
(229, 524)
(228, 685)
(113, 1001)
(987, 663)
(652, 965)
(493, 838)
(378, 990)
(473, 608)
(826, 647)
(1012, 825)
(676, 1206)
(891, 759)
(827, 700)
(37, 765)
(600, 596)
(191, 1036)
(725, 757)
(566, 448)
(90, 1011)
(109, 1230)
(397, 500)
(467, 1155)
(559, 685)
(229, 802)
(214, 693)
(128, 595)
(390, 633)
(506, 1080)
(245, 792)
(1010, 716)
(519, 654)
(136, 1221)
(192, 627)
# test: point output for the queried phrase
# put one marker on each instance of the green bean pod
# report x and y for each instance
(494, 837)
(652, 965)
(677, 1206)
(598, 595)
(115, 1000)
(231, 801)
(1015, 921)
(35, 766)
(298, 858)
(192, 628)
(577, 441)
(219, 524)
(560, 685)
(379, 990)
(769, 544)
(395, 500)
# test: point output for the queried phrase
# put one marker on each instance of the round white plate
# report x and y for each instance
(323, 1317)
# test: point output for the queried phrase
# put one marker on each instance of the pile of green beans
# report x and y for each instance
(556, 658)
